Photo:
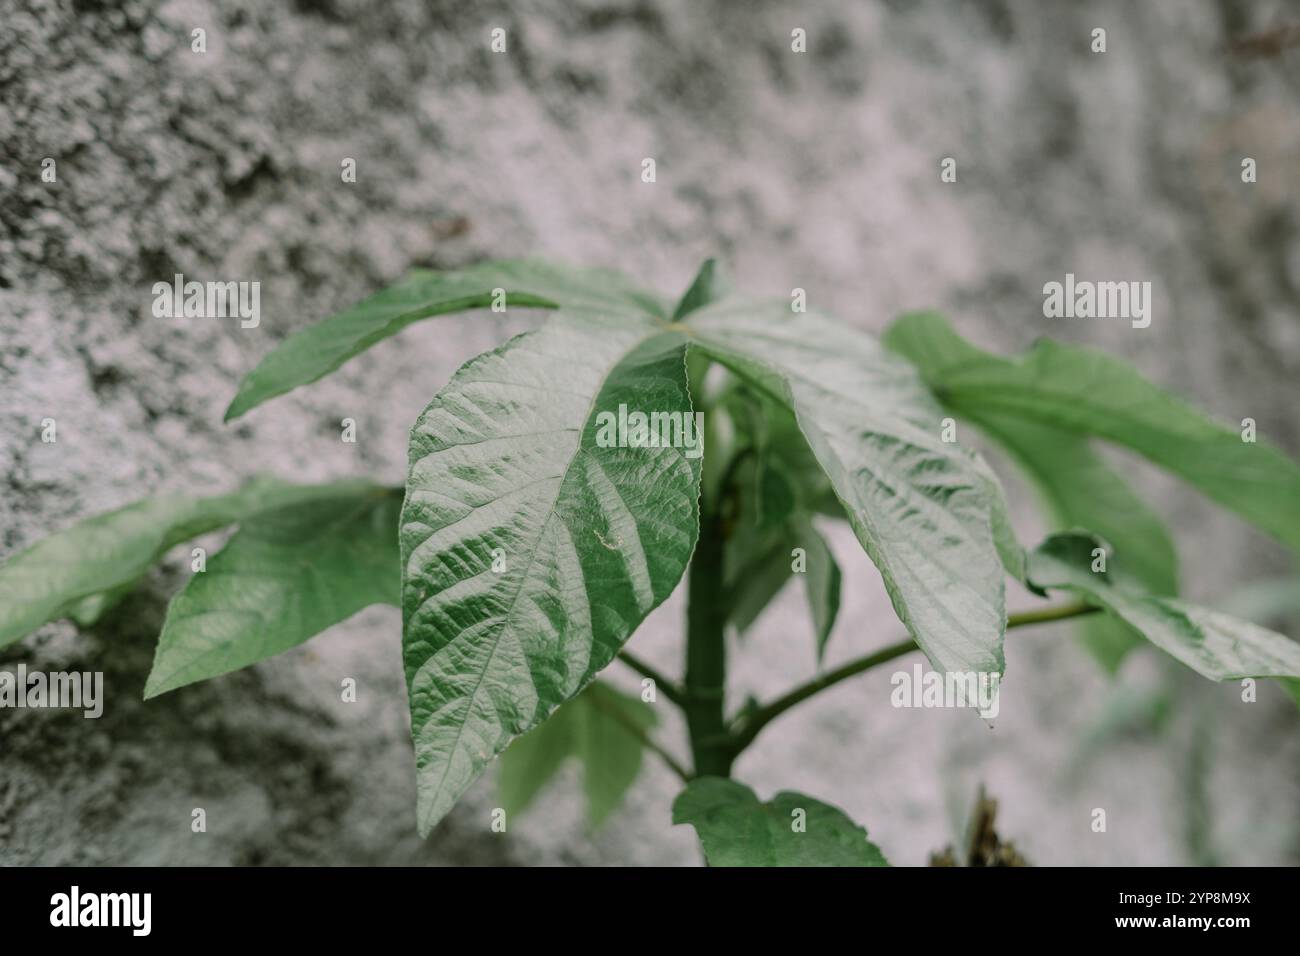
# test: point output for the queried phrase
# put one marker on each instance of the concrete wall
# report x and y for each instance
(817, 170)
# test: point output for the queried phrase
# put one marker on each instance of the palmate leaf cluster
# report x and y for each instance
(524, 552)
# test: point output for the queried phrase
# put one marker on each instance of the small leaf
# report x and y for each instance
(282, 578)
(1212, 644)
(533, 759)
(510, 462)
(609, 745)
(790, 830)
(603, 729)
(757, 582)
(104, 555)
(821, 583)
(1088, 392)
(315, 351)
(774, 495)
(711, 284)
(1080, 490)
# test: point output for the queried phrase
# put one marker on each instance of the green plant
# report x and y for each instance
(556, 495)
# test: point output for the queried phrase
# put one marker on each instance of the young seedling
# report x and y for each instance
(561, 485)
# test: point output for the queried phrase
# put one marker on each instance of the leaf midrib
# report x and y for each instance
(579, 451)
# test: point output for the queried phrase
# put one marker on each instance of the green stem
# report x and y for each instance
(764, 715)
(706, 652)
(663, 685)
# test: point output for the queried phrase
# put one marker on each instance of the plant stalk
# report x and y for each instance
(743, 736)
(706, 652)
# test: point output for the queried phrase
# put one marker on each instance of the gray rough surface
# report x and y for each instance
(816, 170)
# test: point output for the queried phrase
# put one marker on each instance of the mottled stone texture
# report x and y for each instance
(816, 170)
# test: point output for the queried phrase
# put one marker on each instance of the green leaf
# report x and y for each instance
(929, 514)
(768, 428)
(1292, 687)
(509, 464)
(315, 351)
(711, 284)
(603, 729)
(821, 582)
(1214, 645)
(105, 554)
(1088, 392)
(756, 581)
(1080, 490)
(282, 578)
(737, 830)
(756, 554)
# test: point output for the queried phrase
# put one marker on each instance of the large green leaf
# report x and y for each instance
(507, 465)
(319, 349)
(791, 829)
(603, 729)
(1088, 392)
(281, 579)
(930, 514)
(1080, 490)
(84, 568)
(1214, 645)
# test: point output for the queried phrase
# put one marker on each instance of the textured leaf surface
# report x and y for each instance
(1088, 392)
(1214, 645)
(505, 464)
(281, 579)
(87, 566)
(1080, 490)
(929, 514)
(737, 829)
(319, 349)
(600, 729)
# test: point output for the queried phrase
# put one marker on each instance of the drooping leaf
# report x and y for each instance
(315, 351)
(530, 549)
(774, 494)
(759, 554)
(757, 580)
(821, 582)
(281, 579)
(756, 553)
(791, 829)
(603, 729)
(1214, 645)
(767, 428)
(532, 761)
(103, 555)
(929, 514)
(1080, 490)
(1088, 392)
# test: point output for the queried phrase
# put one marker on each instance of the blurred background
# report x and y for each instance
(818, 170)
